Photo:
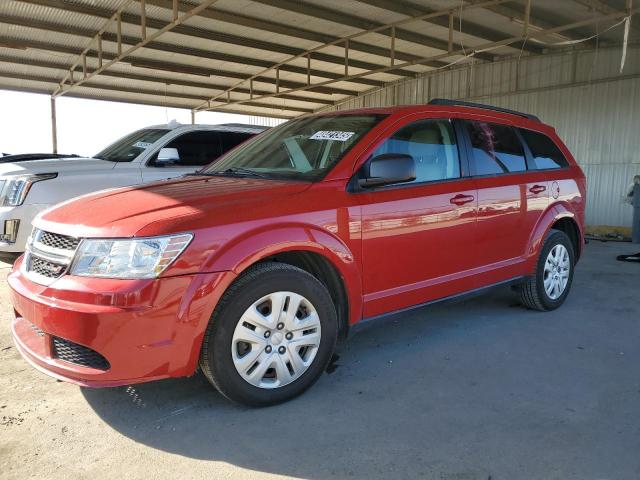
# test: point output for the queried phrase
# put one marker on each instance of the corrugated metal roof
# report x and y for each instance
(230, 41)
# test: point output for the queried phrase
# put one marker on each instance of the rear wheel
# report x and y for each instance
(548, 288)
(271, 336)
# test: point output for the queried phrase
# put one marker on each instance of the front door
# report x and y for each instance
(418, 238)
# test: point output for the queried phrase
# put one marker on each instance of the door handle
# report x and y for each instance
(537, 189)
(461, 199)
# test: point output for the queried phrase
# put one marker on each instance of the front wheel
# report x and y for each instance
(271, 335)
(548, 288)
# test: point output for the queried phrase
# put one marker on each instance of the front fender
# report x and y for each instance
(253, 246)
(554, 213)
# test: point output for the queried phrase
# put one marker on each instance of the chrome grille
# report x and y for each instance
(46, 268)
(60, 242)
(48, 256)
(78, 354)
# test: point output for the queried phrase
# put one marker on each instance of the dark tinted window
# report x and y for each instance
(496, 149)
(432, 145)
(197, 149)
(233, 139)
(546, 153)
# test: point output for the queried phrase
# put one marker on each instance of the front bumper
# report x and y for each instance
(25, 214)
(146, 330)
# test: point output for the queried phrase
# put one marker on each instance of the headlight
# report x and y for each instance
(16, 187)
(128, 258)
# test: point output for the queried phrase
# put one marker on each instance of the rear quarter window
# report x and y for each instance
(546, 154)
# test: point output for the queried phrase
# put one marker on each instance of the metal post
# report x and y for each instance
(100, 51)
(119, 32)
(54, 128)
(635, 230)
(527, 17)
(143, 19)
(392, 52)
(193, 117)
(450, 45)
(346, 57)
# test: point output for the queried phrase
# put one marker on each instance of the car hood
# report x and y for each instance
(165, 207)
(53, 165)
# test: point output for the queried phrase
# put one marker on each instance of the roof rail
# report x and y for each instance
(460, 103)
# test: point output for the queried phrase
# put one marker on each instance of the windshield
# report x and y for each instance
(303, 149)
(129, 147)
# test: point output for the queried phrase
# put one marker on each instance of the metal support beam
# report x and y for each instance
(181, 68)
(200, 53)
(343, 18)
(474, 29)
(143, 20)
(287, 29)
(193, 117)
(164, 80)
(63, 88)
(235, 40)
(162, 95)
(377, 29)
(527, 17)
(484, 47)
(54, 126)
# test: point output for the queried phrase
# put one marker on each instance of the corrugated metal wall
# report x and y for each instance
(594, 107)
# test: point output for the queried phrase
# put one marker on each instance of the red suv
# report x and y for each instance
(254, 267)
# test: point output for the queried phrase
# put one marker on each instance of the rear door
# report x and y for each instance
(418, 237)
(511, 198)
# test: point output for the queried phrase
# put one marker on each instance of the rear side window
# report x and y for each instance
(496, 149)
(432, 145)
(545, 152)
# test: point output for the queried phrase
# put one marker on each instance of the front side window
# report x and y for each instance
(302, 149)
(194, 149)
(545, 152)
(129, 147)
(496, 149)
(432, 145)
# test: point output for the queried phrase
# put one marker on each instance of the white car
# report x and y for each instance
(28, 186)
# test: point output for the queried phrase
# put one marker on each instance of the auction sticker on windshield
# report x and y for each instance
(332, 135)
(142, 144)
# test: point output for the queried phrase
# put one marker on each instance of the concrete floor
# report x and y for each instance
(476, 390)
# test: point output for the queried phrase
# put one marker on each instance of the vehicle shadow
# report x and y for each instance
(396, 387)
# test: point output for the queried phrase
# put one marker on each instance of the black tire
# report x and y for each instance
(262, 279)
(532, 292)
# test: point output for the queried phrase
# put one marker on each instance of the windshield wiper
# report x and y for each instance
(237, 171)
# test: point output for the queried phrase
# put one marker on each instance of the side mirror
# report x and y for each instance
(168, 155)
(388, 168)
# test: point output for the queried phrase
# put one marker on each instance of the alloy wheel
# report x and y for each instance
(556, 271)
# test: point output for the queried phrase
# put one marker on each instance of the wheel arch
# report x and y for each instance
(558, 216)
(315, 250)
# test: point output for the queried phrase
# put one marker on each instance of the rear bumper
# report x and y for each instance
(146, 330)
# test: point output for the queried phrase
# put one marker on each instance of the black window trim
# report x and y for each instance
(354, 187)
